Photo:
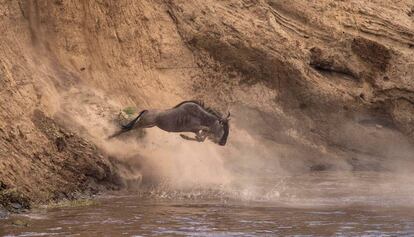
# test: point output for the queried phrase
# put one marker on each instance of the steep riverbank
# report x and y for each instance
(312, 86)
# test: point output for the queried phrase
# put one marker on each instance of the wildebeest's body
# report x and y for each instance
(188, 116)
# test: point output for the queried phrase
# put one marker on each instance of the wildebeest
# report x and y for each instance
(187, 116)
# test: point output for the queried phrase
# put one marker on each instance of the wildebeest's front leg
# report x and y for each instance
(188, 138)
(200, 136)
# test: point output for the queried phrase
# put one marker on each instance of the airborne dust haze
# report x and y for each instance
(250, 168)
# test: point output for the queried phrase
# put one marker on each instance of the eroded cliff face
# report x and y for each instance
(327, 84)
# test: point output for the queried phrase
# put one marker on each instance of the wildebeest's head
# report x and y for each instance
(220, 131)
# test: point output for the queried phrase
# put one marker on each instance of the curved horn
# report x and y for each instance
(228, 115)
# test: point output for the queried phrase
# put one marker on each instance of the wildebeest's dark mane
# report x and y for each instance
(201, 103)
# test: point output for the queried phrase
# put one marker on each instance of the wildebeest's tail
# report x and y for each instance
(129, 126)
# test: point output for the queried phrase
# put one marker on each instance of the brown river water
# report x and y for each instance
(319, 204)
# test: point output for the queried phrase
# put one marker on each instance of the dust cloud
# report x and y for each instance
(161, 157)
(163, 165)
